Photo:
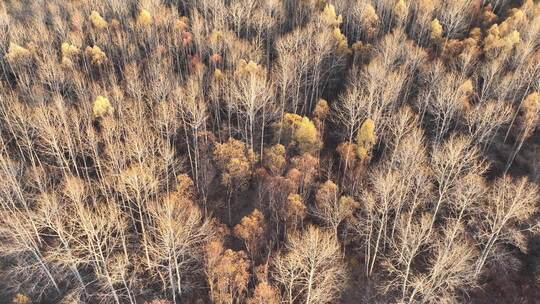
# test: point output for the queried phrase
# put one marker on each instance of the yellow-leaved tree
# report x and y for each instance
(68, 52)
(17, 54)
(20, 299)
(294, 211)
(101, 107)
(366, 139)
(436, 30)
(300, 133)
(96, 55)
(227, 273)
(527, 121)
(252, 229)
(97, 21)
(144, 19)
(274, 159)
(235, 160)
(400, 9)
(330, 17)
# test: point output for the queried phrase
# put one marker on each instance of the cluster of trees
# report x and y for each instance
(269, 151)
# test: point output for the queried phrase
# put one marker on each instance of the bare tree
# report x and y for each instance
(97, 234)
(450, 162)
(251, 98)
(193, 112)
(483, 121)
(445, 96)
(310, 271)
(509, 202)
(449, 270)
(409, 242)
(456, 17)
(528, 120)
(178, 236)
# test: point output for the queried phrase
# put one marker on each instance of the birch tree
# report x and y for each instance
(310, 271)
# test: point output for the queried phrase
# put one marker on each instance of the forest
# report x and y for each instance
(269, 151)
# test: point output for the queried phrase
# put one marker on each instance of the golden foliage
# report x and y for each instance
(234, 160)
(250, 68)
(69, 50)
(488, 17)
(369, 15)
(321, 110)
(341, 41)
(306, 135)
(215, 37)
(17, 54)
(514, 20)
(265, 293)
(96, 55)
(531, 104)
(252, 230)
(144, 19)
(436, 30)
(530, 113)
(20, 299)
(400, 9)
(294, 209)
(218, 74)
(466, 87)
(97, 21)
(330, 17)
(504, 36)
(101, 107)
(301, 133)
(475, 34)
(366, 139)
(495, 41)
(68, 53)
(362, 49)
(512, 39)
(274, 159)
(370, 21)
(227, 273)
